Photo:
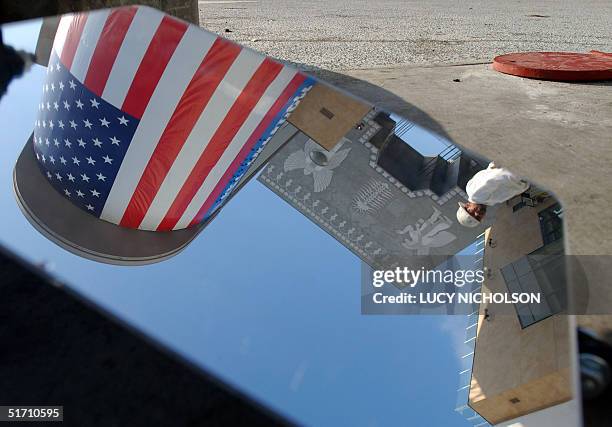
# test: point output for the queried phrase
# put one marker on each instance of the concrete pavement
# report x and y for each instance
(350, 34)
(556, 134)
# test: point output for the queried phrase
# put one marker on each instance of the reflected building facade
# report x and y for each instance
(387, 190)
(372, 189)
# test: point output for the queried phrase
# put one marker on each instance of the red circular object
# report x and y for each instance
(560, 66)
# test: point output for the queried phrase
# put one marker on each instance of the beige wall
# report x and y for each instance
(563, 415)
(344, 112)
(530, 364)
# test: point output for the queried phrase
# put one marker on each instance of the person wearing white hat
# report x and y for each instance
(488, 187)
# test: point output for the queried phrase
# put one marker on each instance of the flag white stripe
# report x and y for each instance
(178, 73)
(132, 50)
(61, 33)
(215, 111)
(265, 103)
(87, 44)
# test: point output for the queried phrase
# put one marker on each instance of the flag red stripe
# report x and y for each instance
(201, 88)
(289, 90)
(156, 58)
(236, 116)
(73, 37)
(105, 53)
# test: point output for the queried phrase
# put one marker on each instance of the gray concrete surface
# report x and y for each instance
(557, 134)
(349, 34)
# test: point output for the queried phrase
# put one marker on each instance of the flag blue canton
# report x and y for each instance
(80, 140)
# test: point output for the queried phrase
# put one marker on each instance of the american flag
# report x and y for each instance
(149, 122)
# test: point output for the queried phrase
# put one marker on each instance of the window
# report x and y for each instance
(542, 271)
(551, 223)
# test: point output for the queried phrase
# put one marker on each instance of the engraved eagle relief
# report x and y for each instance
(316, 161)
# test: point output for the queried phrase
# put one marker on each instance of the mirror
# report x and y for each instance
(238, 176)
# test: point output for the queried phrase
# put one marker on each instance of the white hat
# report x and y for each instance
(465, 218)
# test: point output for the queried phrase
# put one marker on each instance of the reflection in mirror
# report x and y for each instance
(147, 126)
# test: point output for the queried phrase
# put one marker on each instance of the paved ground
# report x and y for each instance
(350, 34)
(556, 134)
